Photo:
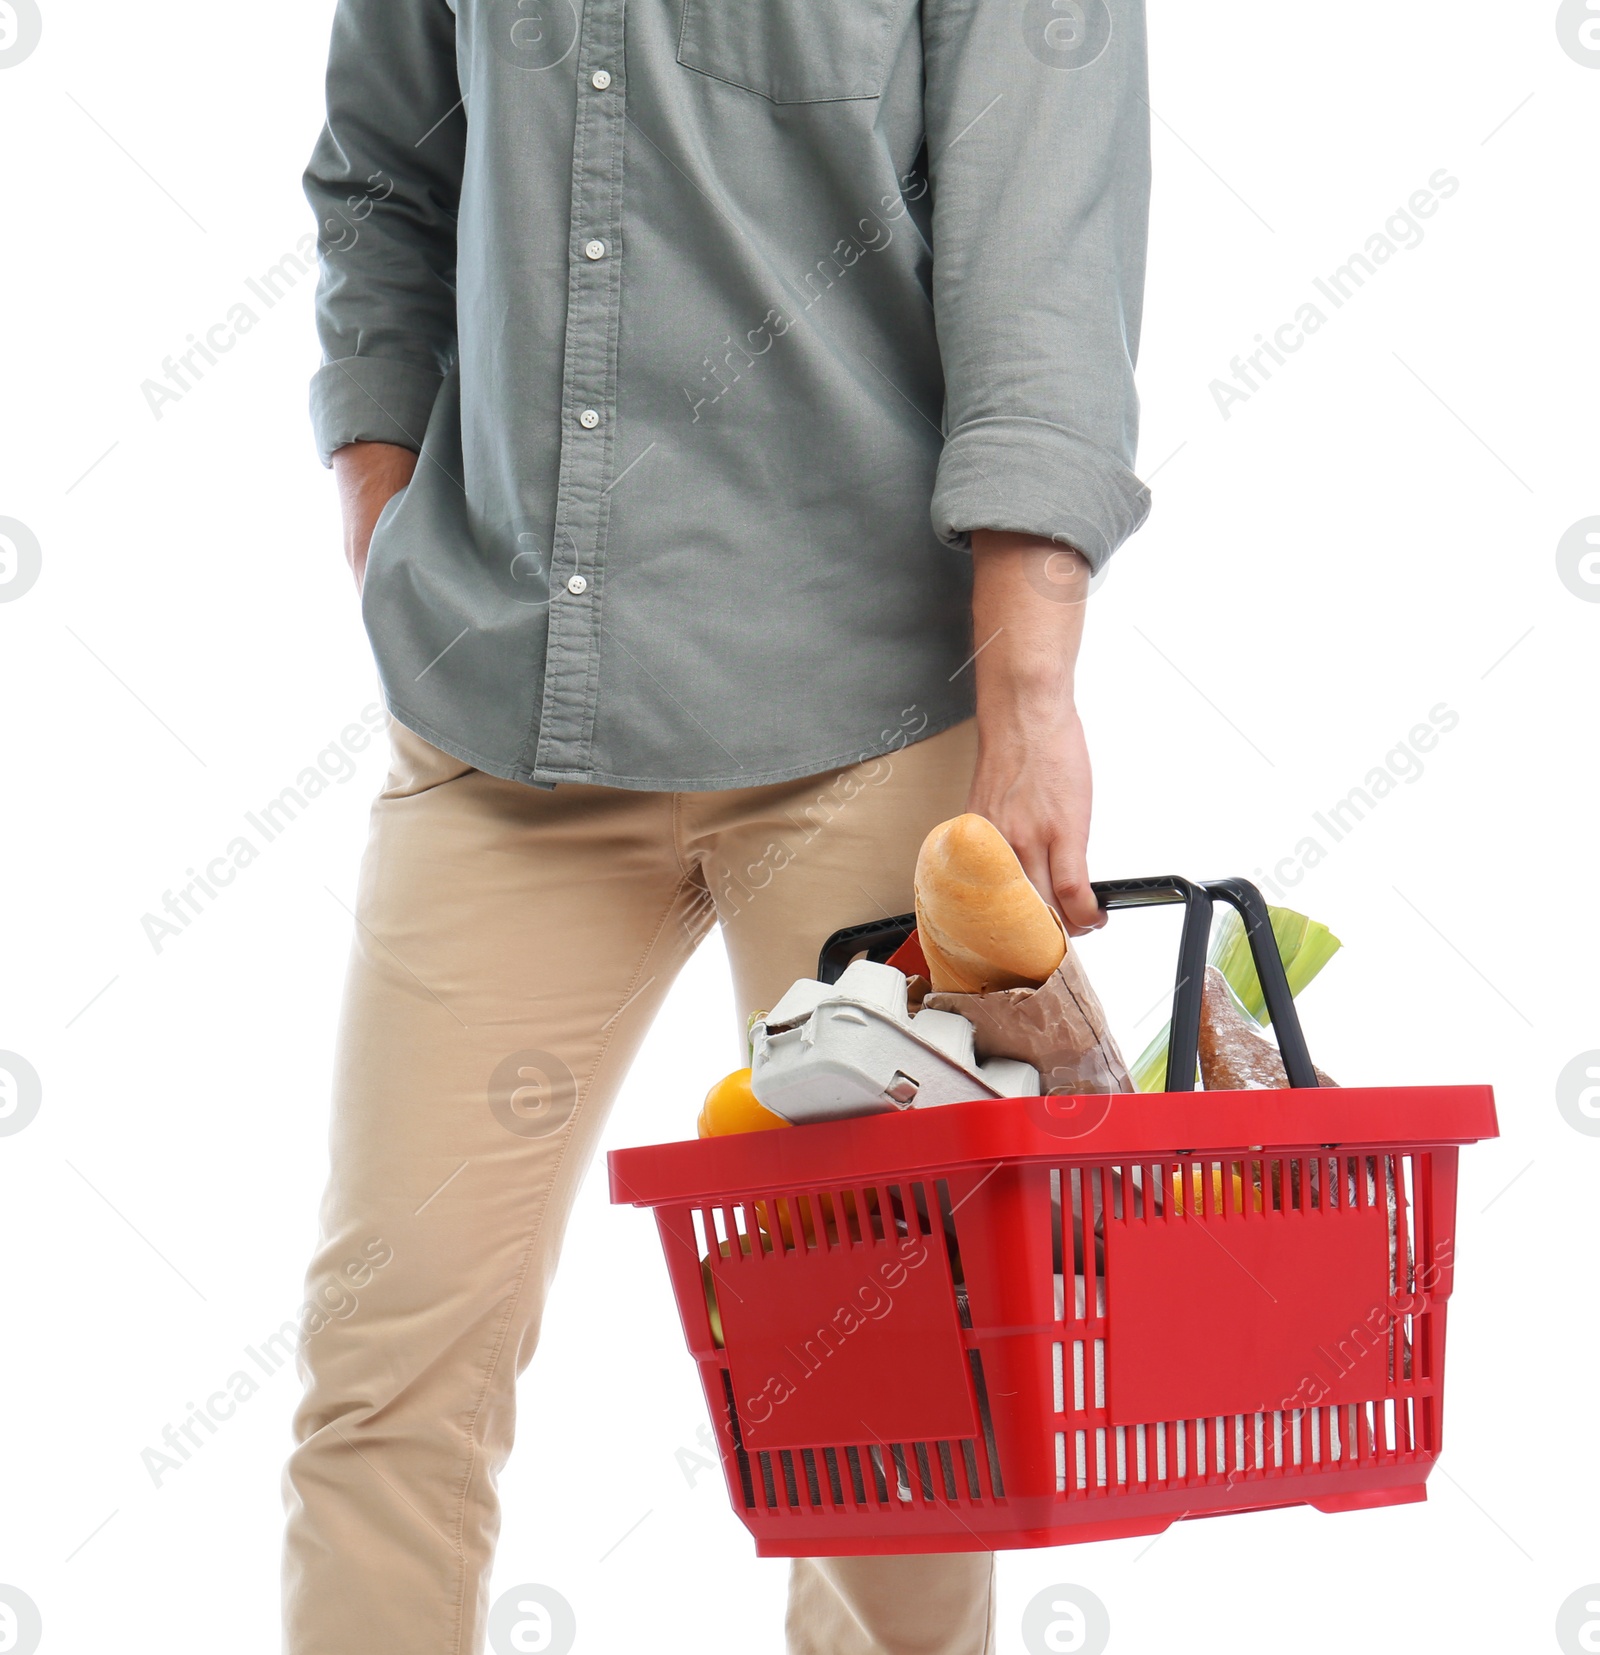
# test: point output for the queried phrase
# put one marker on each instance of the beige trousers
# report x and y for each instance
(514, 944)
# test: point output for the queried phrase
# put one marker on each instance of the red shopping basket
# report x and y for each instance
(1030, 1321)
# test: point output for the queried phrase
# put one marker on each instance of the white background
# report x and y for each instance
(1370, 535)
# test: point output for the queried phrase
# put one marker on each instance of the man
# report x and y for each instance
(726, 399)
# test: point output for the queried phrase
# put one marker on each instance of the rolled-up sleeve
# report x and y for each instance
(1039, 157)
(385, 183)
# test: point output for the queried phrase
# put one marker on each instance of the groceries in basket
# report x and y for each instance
(831, 1050)
(1303, 945)
(1005, 1008)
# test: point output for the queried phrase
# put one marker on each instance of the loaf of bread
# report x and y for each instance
(1235, 1056)
(981, 923)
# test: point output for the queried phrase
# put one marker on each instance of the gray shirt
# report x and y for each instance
(718, 325)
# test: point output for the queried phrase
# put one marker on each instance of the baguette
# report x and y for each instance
(981, 923)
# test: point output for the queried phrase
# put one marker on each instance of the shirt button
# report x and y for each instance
(577, 585)
(600, 80)
(588, 419)
(594, 249)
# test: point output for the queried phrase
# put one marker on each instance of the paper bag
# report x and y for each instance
(1060, 1028)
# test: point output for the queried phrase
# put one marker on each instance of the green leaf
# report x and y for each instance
(1304, 945)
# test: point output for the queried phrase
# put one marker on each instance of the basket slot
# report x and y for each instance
(808, 1461)
(992, 1453)
(1083, 1206)
(947, 1466)
(786, 1462)
(952, 1241)
(1427, 1250)
(852, 1460)
(741, 1459)
(919, 1193)
(830, 1464)
(879, 1482)
(1058, 1252)
(1096, 1220)
(902, 1489)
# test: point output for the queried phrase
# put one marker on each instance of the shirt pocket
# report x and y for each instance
(790, 51)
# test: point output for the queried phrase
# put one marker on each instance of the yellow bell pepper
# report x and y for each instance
(731, 1106)
(1216, 1191)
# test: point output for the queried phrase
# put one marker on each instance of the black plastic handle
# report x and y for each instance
(878, 939)
(1252, 908)
(1184, 1036)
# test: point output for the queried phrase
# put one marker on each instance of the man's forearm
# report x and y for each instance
(1033, 779)
(369, 475)
(1028, 602)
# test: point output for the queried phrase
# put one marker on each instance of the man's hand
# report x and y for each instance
(369, 474)
(1032, 779)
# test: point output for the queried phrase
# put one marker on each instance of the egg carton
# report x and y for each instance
(828, 1051)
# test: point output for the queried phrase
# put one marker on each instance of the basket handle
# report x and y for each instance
(878, 939)
(1183, 1040)
(1184, 1036)
(1241, 895)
